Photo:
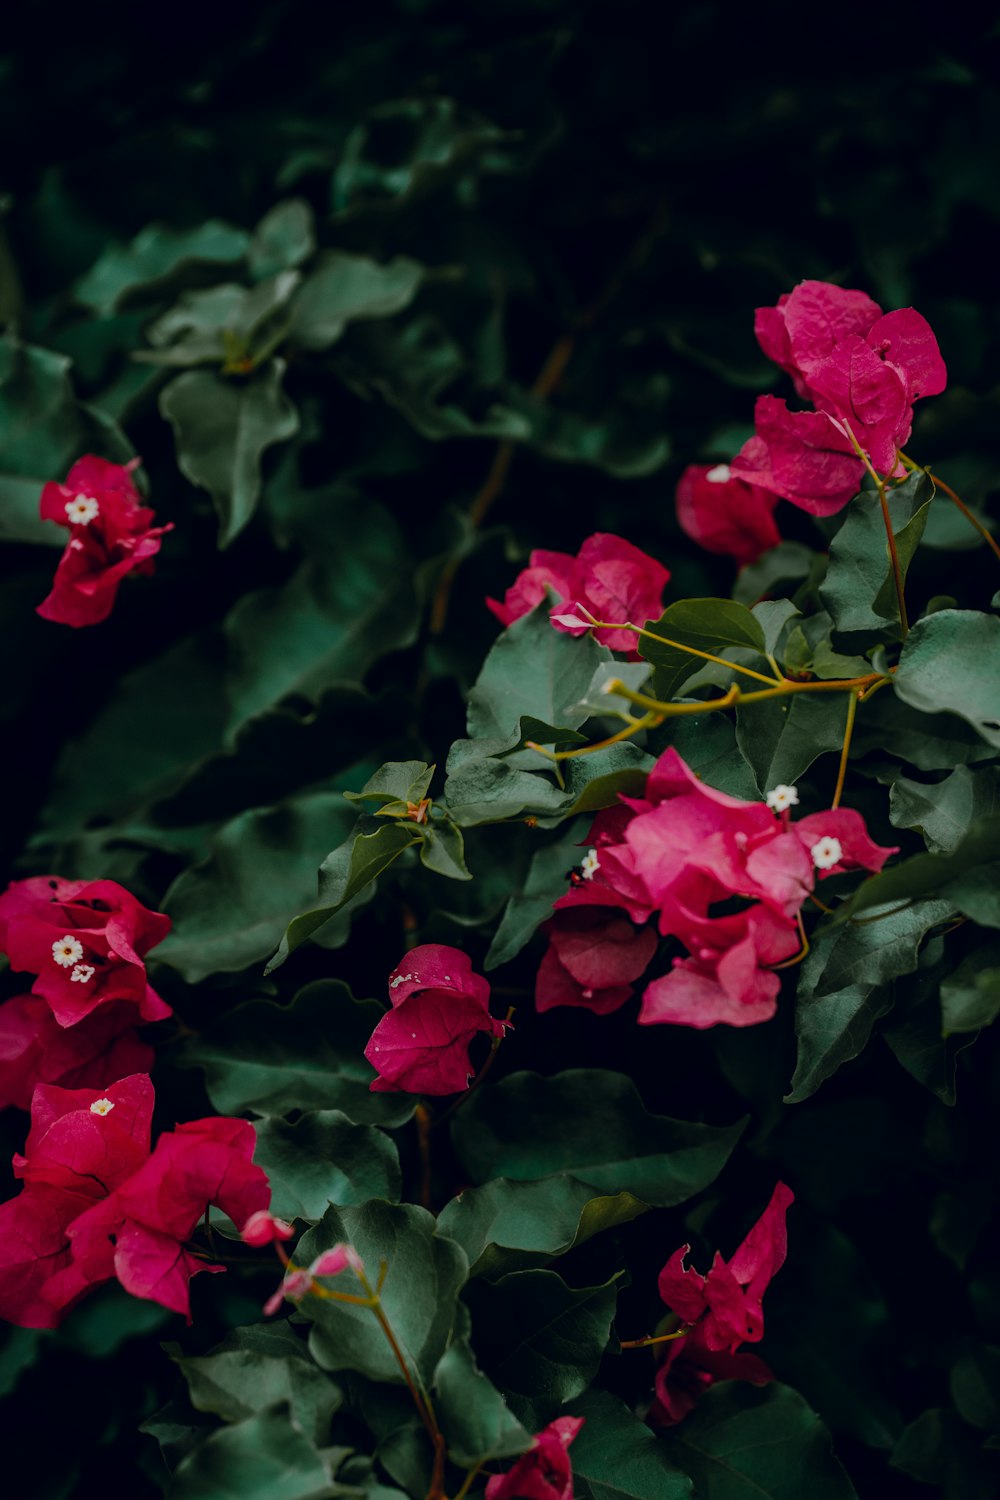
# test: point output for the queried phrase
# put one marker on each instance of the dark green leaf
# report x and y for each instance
(858, 589)
(951, 663)
(757, 1443)
(533, 671)
(831, 1028)
(474, 1417)
(529, 907)
(967, 877)
(970, 997)
(264, 1457)
(284, 238)
(883, 946)
(975, 1387)
(324, 1159)
(506, 1226)
(780, 738)
(616, 1457)
(420, 1295)
(273, 1059)
(255, 1368)
(231, 910)
(155, 258)
(346, 287)
(223, 428)
(709, 625)
(538, 1339)
(944, 811)
(399, 781)
(442, 850)
(615, 1146)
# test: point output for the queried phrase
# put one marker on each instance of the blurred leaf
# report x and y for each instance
(343, 288)
(970, 997)
(156, 259)
(222, 429)
(284, 238)
(264, 1457)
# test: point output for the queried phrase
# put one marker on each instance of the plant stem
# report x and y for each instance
(468, 1482)
(939, 484)
(456, 1104)
(852, 709)
(796, 958)
(658, 1338)
(678, 646)
(422, 1116)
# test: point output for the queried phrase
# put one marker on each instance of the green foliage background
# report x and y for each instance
(373, 227)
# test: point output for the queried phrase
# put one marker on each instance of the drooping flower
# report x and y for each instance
(421, 1046)
(724, 1309)
(85, 941)
(34, 1049)
(609, 579)
(723, 513)
(111, 534)
(544, 1472)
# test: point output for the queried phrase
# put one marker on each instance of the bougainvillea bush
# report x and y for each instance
(503, 719)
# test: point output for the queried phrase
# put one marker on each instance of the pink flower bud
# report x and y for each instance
(262, 1228)
(338, 1258)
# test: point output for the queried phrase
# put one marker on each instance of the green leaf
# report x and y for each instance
(786, 563)
(264, 1457)
(399, 781)
(780, 738)
(944, 811)
(324, 1159)
(345, 872)
(710, 747)
(230, 910)
(743, 1442)
(882, 947)
(222, 429)
(335, 616)
(915, 1037)
(968, 877)
(506, 1226)
(253, 1369)
(420, 1296)
(344, 288)
(44, 427)
(616, 1457)
(535, 671)
(529, 907)
(950, 663)
(858, 590)
(442, 849)
(157, 257)
(970, 997)
(284, 238)
(225, 325)
(975, 1387)
(518, 1129)
(474, 1417)
(272, 1059)
(710, 625)
(538, 1339)
(830, 1028)
(19, 518)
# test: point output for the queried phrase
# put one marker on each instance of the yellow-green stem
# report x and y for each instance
(890, 535)
(720, 661)
(956, 500)
(852, 709)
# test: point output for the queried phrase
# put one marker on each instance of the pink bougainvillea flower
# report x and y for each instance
(595, 956)
(837, 841)
(294, 1284)
(82, 1145)
(34, 1048)
(263, 1228)
(421, 1046)
(727, 978)
(85, 941)
(111, 534)
(338, 1258)
(726, 1304)
(687, 1370)
(545, 1471)
(723, 513)
(803, 456)
(140, 1232)
(609, 579)
(807, 324)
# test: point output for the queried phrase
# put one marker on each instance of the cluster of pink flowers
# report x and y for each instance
(421, 1045)
(675, 854)
(721, 1310)
(111, 534)
(862, 370)
(85, 943)
(98, 1204)
(609, 579)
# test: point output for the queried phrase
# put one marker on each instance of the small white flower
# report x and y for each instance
(82, 972)
(67, 951)
(591, 864)
(827, 853)
(721, 474)
(781, 798)
(82, 509)
(102, 1107)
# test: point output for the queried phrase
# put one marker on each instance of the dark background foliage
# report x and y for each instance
(633, 178)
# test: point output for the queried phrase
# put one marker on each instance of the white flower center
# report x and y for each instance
(591, 864)
(67, 951)
(102, 1107)
(82, 509)
(81, 973)
(721, 474)
(827, 853)
(782, 798)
